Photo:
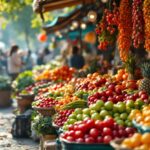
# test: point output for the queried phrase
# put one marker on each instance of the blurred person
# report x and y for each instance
(29, 61)
(76, 60)
(48, 56)
(40, 58)
(14, 61)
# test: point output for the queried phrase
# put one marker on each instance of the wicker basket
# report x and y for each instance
(5, 100)
(45, 111)
(29, 97)
(116, 144)
(23, 104)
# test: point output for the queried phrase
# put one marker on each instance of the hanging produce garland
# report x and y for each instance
(107, 28)
(125, 29)
(138, 23)
(146, 12)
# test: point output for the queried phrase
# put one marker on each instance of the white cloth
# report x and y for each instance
(14, 63)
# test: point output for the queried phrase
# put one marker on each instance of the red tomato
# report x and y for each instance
(94, 132)
(107, 131)
(99, 139)
(70, 138)
(78, 134)
(107, 139)
(80, 140)
(89, 140)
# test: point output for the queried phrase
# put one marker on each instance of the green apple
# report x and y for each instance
(115, 110)
(100, 103)
(116, 115)
(139, 103)
(128, 123)
(130, 104)
(72, 116)
(85, 116)
(78, 111)
(108, 105)
(104, 113)
(121, 107)
(95, 107)
(72, 121)
(120, 122)
(124, 116)
(96, 116)
(128, 109)
(86, 111)
(92, 112)
(79, 117)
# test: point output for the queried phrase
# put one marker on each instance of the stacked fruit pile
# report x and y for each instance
(137, 142)
(90, 131)
(62, 73)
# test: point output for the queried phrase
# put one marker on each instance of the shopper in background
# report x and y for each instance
(29, 61)
(76, 60)
(14, 61)
(48, 56)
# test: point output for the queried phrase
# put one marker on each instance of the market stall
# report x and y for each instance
(88, 108)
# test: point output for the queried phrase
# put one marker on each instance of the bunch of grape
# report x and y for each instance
(62, 117)
(138, 23)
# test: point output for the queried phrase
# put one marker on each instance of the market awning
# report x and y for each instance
(63, 21)
(41, 6)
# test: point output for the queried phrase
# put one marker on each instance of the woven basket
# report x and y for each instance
(22, 102)
(29, 97)
(116, 144)
(45, 111)
(5, 100)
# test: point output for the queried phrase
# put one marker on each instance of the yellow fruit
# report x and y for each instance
(134, 113)
(145, 138)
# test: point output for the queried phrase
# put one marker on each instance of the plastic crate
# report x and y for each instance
(83, 146)
(140, 128)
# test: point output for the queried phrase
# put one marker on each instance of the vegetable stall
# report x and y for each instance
(96, 110)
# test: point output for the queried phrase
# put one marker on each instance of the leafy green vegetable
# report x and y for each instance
(23, 80)
(43, 125)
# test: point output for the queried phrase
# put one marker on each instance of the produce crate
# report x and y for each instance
(116, 144)
(5, 100)
(140, 128)
(46, 138)
(83, 146)
(45, 111)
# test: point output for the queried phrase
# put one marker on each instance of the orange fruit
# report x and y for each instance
(144, 147)
(145, 138)
(139, 118)
(146, 112)
(147, 119)
(127, 143)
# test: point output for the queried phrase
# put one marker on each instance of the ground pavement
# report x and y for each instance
(6, 140)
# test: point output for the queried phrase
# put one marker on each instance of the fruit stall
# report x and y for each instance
(84, 109)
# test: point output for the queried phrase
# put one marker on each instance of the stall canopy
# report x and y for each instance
(41, 6)
(63, 21)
